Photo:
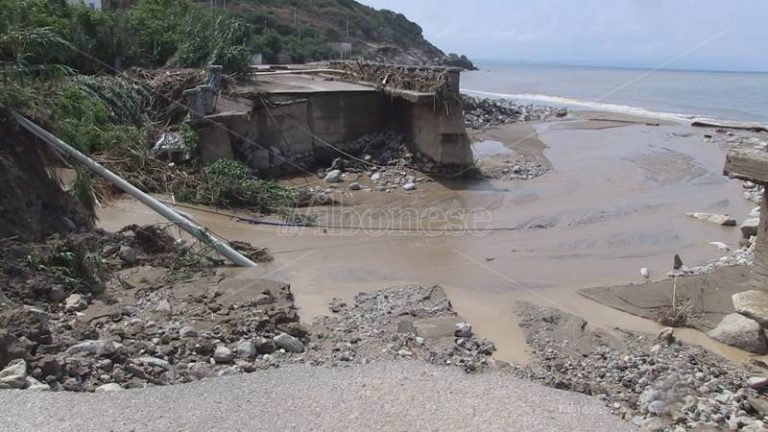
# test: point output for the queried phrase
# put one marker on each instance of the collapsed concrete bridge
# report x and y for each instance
(281, 121)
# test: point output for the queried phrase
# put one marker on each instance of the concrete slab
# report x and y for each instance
(301, 84)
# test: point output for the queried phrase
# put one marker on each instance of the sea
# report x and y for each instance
(682, 94)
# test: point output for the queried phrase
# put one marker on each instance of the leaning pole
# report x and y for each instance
(193, 229)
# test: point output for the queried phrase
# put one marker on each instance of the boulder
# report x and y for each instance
(246, 349)
(741, 332)
(223, 354)
(289, 343)
(14, 376)
(333, 176)
(714, 218)
(752, 304)
(75, 303)
(749, 227)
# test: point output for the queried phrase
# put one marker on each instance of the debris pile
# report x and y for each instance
(480, 113)
(656, 384)
(101, 311)
(409, 322)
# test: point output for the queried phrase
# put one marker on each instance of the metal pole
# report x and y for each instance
(193, 229)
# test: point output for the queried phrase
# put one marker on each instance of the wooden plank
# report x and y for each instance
(747, 164)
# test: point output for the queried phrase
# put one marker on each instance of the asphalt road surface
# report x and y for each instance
(398, 396)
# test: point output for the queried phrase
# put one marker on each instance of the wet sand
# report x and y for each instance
(613, 203)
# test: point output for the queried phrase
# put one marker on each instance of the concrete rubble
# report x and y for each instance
(655, 383)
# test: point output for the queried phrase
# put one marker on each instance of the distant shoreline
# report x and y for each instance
(586, 105)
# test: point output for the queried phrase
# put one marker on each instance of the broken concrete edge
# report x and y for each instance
(747, 164)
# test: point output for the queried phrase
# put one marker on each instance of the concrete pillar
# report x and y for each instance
(760, 268)
(194, 103)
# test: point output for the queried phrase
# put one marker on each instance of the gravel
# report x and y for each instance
(389, 396)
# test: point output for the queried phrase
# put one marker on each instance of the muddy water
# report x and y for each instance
(613, 204)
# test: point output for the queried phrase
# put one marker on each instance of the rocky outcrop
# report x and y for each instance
(741, 332)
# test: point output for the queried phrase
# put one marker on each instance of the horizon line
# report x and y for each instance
(555, 63)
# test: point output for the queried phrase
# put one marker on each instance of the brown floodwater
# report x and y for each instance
(613, 203)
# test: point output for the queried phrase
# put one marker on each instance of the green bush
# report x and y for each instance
(229, 183)
(86, 124)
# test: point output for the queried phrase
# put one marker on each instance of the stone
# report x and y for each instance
(75, 303)
(88, 347)
(375, 177)
(14, 376)
(108, 388)
(757, 383)
(333, 176)
(463, 330)
(355, 186)
(10, 348)
(289, 343)
(187, 332)
(264, 345)
(28, 322)
(754, 213)
(57, 294)
(164, 306)
(714, 218)
(35, 385)
(749, 227)
(128, 255)
(752, 304)
(153, 361)
(409, 186)
(742, 332)
(246, 349)
(223, 354)
(50, 366)
(296, 330)
(645, 273)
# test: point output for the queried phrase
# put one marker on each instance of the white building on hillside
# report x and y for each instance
(93, 4)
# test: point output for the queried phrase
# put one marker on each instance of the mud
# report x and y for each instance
(595, 219)
(708, 296)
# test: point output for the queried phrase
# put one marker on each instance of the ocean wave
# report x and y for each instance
(586, 104)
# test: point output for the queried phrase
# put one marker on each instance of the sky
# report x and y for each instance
(674, 34)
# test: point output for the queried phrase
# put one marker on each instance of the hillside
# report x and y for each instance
(307, 28)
